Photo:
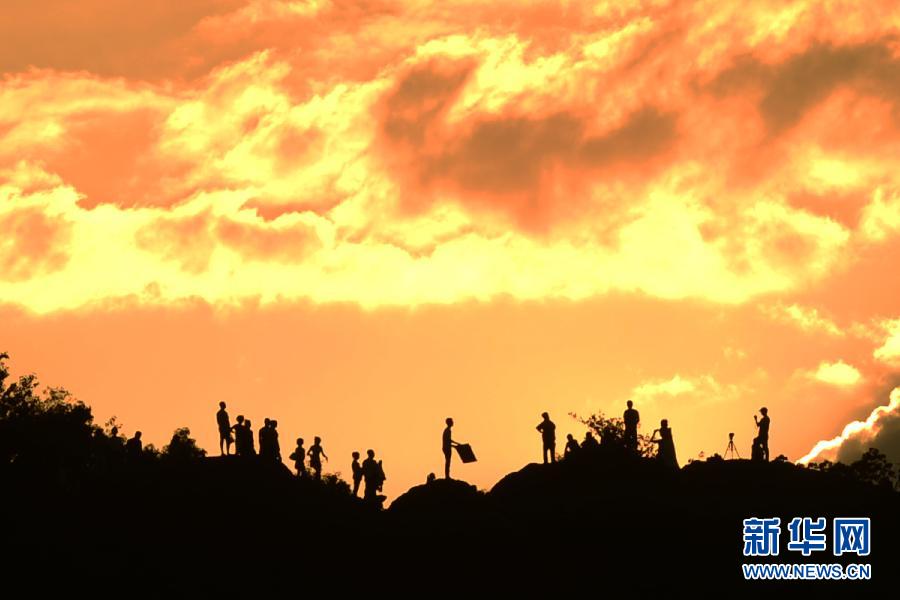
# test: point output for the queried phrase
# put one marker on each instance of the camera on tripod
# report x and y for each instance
(731, 448)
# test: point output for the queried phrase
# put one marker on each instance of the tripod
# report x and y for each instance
(731, 448)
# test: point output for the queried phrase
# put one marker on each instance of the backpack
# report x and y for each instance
(381, 476)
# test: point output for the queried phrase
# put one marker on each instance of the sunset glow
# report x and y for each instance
(361, 217)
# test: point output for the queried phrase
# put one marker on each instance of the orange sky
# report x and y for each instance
(362, 217)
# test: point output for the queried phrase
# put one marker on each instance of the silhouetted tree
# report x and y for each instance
(46, 434)
(873, 467)
(182, 447)
(151, 452)
(823, 466)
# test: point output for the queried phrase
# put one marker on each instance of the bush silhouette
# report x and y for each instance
(182, 448)
(334, 482)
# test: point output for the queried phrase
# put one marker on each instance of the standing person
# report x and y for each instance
(666, 452)
(548, 437)
(240, 440)
(762, 437)
(248, 438)
(315, 457)
(631, 418)
(276, 447)
(447, 445)
(373, 474)
(265, 439)
(224, 424)
(299, 458)
(357, 471)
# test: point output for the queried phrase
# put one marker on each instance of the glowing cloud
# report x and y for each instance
(442, 166)
(695, 390)
(837, 373)
(806, 317)
(889, 351)
(859, 431)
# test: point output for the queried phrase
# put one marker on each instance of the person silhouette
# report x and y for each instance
(276, 447)
(762, 437)
(357, 471)
(571, 446)
(224, 424)
(315, 457)
(265, 439)
(299, 458)
(589, 442)
(548, 437)
(373, 475)
(248, 438)
(756, 451)
(447, 445)
(133, 447)
(666, 450)
(116, 442)
(631, 417)
(240, 445)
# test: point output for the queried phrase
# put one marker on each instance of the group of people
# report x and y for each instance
(572, 445)
(662, 437)
(240, 435)
(371, 471)
(132, 447)
(547, 428)
(315, 453)
(630, 418)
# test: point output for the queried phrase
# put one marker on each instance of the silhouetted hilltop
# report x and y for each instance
(90, 513)
(599, 475)
(607, 518)
(445, 496)
(637, 524)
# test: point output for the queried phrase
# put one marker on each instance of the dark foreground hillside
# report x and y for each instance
(86, 514)
(598, 522)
